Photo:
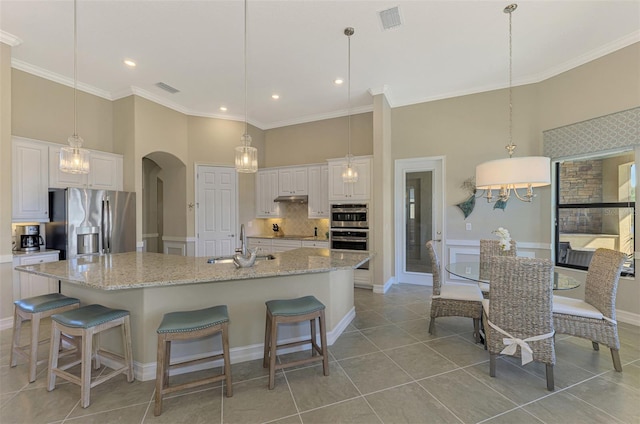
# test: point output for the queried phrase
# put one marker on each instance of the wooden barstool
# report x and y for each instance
(86, 322)
(289, 311)
(35, 309)
(187, 325)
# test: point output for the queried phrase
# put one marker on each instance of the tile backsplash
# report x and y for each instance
(295, 221)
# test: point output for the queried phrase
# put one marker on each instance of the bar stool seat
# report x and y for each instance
(288, 311)
(187, 325)
(34, 309)
(86, 322)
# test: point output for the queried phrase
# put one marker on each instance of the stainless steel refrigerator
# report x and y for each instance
(90, 222)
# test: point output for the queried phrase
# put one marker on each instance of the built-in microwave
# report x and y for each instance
(350, 216)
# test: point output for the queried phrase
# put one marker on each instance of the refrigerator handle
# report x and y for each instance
(103, 227)
(109, 224)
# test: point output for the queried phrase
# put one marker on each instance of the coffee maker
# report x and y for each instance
(29, 237)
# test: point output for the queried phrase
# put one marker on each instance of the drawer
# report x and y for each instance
(315, 243)
(38, 259)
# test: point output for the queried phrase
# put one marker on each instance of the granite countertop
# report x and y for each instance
(144, 269)
(291, 237)
(35, 252)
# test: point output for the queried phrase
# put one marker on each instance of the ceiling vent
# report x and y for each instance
(390, 18)
(167, 87)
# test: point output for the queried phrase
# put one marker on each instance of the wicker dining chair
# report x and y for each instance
(518, 315)
(453, 299)
(594, 318)
(489, 248)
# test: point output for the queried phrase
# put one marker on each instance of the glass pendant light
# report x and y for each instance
(349, 173)
(510, 174)
(246, 156)
(73, 158)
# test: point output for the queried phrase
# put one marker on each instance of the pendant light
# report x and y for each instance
(73, 158)
(511, 174)
(246, 156)
(349, 173)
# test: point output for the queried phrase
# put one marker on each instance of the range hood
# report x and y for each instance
(292, 199)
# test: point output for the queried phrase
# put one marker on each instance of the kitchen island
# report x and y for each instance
(152, 284)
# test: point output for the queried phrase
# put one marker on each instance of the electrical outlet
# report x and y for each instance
(468, 226)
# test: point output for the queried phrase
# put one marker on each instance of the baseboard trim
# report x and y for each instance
(383, 288)
(628, 317)
(147, 371)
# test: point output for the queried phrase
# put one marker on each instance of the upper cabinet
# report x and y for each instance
(319, 191)
(30, 178)
(292, 181)
(360, 190)
(266, 191)
(105, 172)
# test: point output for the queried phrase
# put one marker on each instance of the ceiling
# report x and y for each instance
(297, 48)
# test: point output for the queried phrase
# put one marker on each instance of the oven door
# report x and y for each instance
(349, 216)
(349, 240)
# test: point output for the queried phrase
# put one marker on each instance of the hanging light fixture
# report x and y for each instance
(73, 158)
(349, 174)
(511, 174)
(246, 156)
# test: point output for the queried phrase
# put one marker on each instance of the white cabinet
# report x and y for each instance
(266, 191)
(360, 190)
(30, 180)
(28, 285)
(318, 192)
(105, 172)
(292, 181)
(284, 245)
(264, 246)
(315, 243)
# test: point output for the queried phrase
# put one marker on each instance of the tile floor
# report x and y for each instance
(385, 368)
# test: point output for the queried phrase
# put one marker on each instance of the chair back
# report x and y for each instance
(521, 303)
(602, 280)
(488, 249)
(435, 267)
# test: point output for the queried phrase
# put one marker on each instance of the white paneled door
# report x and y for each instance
(216, 209)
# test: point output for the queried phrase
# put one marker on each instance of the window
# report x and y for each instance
(595, 207)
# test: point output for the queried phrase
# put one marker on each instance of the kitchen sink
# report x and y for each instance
(229, 259)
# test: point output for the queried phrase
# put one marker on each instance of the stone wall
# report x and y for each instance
(581, 182)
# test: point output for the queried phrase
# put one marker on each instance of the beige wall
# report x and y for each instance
(468, 130)
(124, 138)
(213, 142)
(315, 142)
(43, 110)
(6, 267)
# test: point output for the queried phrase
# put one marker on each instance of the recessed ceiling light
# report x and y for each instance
(130, 63)
(275, 96)
(223, 108)
(338, 81)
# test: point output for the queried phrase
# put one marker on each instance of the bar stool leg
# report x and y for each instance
(160, 374)
(33, 351)
(272, 352)
(126, 346)
(267, 340)
(314, 342)
(323, 340)
(17, 326)
(54, 348)
(227, 359)
(85, 373)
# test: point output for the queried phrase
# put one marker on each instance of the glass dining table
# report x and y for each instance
(471, 271)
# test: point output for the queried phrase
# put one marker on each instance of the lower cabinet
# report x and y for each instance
(28, 285)
(315, 243)
(284, 245)
(263, 245)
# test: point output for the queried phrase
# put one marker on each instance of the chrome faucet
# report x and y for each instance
(243, 241)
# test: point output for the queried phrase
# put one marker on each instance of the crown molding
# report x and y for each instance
(318, 117)
(9, 39)
(60, 79)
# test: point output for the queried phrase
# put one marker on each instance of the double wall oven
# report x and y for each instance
(350, 228)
